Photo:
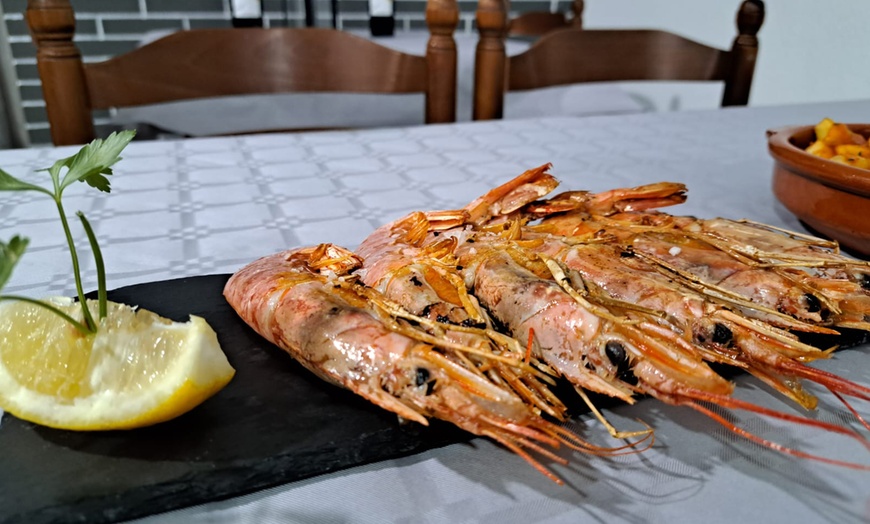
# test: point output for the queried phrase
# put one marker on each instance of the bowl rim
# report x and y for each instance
(841, 176)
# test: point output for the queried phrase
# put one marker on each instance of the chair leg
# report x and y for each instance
(52, 26)
(744, 53)
(490, 61)
(442, 17)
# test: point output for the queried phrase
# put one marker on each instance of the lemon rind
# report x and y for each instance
(201, 370)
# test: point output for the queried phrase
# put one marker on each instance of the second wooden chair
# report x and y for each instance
(571, 56)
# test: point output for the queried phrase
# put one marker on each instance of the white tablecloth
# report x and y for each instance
(201, 206)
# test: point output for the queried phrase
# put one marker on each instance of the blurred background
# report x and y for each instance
(810, 51)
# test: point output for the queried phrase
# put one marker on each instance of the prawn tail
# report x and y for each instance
(691, 399)
(851, 299)
(512, 195)
(501, 201)
(631, 199)
(641, 198)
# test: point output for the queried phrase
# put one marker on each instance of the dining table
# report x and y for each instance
(185, 208)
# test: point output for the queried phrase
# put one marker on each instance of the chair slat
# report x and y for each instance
(571, 57)
(223, 62)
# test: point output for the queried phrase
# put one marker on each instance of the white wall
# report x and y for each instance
(809, 51)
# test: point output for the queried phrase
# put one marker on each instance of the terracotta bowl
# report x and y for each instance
(831, 198)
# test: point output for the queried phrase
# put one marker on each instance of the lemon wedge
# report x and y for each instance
(137, 370)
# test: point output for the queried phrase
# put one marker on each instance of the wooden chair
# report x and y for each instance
(223, 62)
(570, 56)
(537, 23)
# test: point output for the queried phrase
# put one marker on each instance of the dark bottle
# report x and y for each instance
(247, 13)
(382, 21)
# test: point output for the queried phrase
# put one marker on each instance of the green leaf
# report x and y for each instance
(9, 255)
(93, 162)
(10, 183)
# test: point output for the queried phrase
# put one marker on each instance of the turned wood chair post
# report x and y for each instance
(52, 24)
(490, 61)
(744, 53)
(577, 10)
(442, 17)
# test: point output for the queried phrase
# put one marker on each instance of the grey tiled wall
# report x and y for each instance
(108, 27)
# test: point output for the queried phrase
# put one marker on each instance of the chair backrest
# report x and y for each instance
(537, 23)
(222, 62)
(571, 56)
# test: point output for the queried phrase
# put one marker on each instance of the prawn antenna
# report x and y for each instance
(850, 408)
(733, 403)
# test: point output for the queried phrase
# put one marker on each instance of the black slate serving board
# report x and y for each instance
(274, 423)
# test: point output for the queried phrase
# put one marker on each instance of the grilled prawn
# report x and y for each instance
(632, 330)
(784, 272)
(465, 315)
(697, 285)
(303, 301)
(425, 281)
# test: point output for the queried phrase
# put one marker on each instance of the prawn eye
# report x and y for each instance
(422, 376)
(722, 335)
(616, 354)
(473, 324)
(813, 303)
(618, 357)
(865, 282)
(628, 377)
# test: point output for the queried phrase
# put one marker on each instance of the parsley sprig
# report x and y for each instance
(91, 165)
